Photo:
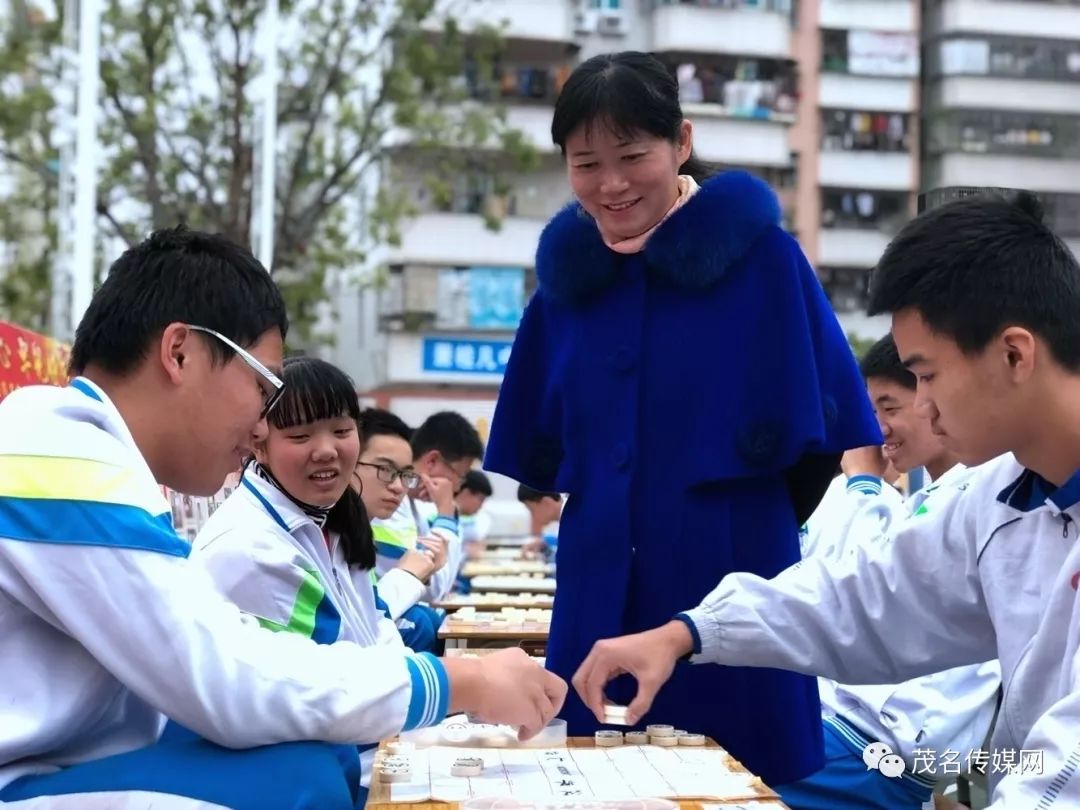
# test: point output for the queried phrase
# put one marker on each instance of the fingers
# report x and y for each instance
(590, 679)
(642, 702)
(555, 688)
(543, 712)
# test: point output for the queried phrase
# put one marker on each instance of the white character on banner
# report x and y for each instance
(485, 358)
(504, 355)
(465, 357)
(442, 355)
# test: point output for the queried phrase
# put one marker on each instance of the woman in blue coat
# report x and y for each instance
(681, 375)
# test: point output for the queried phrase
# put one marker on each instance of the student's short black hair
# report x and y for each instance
(451, 434)
(476, 482)
(378, 422)
(978, 265)
(883, 361)
(177, 275)
(526, 494)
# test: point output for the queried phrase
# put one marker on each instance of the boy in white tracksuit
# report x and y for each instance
(108, 627)
(445, 447)
(984, 301)
(925, 717)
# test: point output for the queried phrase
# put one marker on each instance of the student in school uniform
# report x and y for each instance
(383, 477)
(109, 627)
(946, 711)
(545, 509)
(829, 519)
(445, 447)
(293, 546)
(474, 522)
(984, 301)
(680, 375)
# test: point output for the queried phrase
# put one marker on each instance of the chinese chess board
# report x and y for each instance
(577, 773)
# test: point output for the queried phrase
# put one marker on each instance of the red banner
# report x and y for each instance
(27, 358)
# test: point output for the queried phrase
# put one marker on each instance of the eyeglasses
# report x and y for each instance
(272, 382)
(388, 475)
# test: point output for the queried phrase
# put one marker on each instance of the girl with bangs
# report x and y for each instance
(283, 547)
(680, 374)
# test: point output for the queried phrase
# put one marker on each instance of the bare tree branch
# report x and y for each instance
(118, 229)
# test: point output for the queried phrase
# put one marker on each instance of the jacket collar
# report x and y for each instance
(273, 501)
(692, 249)
(1031, 491)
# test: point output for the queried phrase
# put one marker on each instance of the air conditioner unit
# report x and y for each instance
(612, 25)
(585, 22)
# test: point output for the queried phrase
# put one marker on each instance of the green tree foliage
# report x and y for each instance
(181, 103)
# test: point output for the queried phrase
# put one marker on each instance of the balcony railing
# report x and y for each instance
(1003, 132)
(777, 6)
(751, 88)
(1005, 57)
(863, 210)
(857, 131)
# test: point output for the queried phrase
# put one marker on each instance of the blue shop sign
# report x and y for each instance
(463, 356)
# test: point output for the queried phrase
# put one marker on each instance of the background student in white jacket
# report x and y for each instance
(108, 627)
(383, 477)
(950, 710)
(445, 447)
(984, 299)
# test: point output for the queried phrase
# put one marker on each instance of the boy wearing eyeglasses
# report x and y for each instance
(383, 477)
(444, 448)
(108, 628)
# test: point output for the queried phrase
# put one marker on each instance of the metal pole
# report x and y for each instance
(268, 167)
(86, 159)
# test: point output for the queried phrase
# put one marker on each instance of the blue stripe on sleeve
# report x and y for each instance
(864, 484)
(419, 697)
(443, 522)
(89, 523)
(327, 622)
(389, 550)
(380, 604)
(438, 705)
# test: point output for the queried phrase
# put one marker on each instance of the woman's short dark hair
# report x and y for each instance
(631, 92)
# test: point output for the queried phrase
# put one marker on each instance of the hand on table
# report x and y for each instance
(507, 687)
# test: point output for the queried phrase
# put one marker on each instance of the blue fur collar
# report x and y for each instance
(692, 249)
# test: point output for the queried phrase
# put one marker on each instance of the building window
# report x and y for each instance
(605, 5)
(752, 88)
(516, 81)
(1005, 57)
(1003, 132)
(870, 53)
(780, 6)
(847, 288)
(858, 131)
(884, 211)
